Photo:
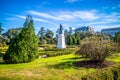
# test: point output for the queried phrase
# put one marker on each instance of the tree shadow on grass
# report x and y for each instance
(2, 63)
(68, 63)
(84, 63)
(74, 58)
(63, 65)
(92, 64)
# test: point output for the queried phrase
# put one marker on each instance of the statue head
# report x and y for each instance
(61, 29)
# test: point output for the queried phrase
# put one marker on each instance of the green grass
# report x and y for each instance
(52, 68)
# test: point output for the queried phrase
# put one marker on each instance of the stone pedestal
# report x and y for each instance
(61, 41)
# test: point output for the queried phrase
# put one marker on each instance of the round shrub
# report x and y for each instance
(95, 49)
(23, 48)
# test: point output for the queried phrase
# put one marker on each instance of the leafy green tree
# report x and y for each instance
(77, 37)
(70, 30)
(1, 29)
(70, 40)
(69, 37)
(66, 36)
(103, 36)
(41, 36)
(117, 37)
(12, 33)
(78, 41)
(4, 40)
(49, 36)
(24, 47)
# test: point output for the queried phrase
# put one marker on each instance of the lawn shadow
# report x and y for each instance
(74, 58)
(63, 65)
(68, 63)
(92, 64)
(2, 62)
(78, 64)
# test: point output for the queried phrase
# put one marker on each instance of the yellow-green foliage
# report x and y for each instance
(3, 49)
(51, 68)
(111, 73)
(51, 52)
(96, 49)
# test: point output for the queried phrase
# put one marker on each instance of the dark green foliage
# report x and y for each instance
(41, 36)
(78, 41)
(84, 34)
(45, 37)
(111, 73)
(12, 33)
(95, 49)
(72, 39)
(103, 36)
(117, 37)
(49, 37)
(3, 40)
(57, 52)
(1, 29)
(23, 47)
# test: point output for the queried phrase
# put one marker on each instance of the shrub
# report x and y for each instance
(117, 37)
(111, 73)
(95, 49)
(23, 47)
(57, 52)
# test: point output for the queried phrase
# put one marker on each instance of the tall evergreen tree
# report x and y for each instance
(41, 35)
(23, 47)
(1, 29)
(49, 36)
(117, 37)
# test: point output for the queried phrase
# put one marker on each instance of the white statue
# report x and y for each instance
(61, 38)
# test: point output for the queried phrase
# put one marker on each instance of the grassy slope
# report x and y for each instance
(53, 68)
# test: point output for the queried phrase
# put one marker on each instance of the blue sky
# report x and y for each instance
(70, 13)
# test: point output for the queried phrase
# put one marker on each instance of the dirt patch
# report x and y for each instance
(92, 64)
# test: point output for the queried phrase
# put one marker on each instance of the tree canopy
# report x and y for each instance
(23, 47)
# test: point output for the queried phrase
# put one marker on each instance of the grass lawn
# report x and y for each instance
(52, 68)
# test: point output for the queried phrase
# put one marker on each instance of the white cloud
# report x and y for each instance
(116, 7)
(67, 16)
(107, 19)
(71, 1)
(85, 15)
(35, 19)
(22, 17)
(45, 15)
(11, 18)
(41, 20)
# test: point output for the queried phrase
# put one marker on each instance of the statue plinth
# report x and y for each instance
(61, 41)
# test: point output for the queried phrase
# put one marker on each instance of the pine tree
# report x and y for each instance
(1, 29)
(41, 36)
(78, 41)
(70, 42)
(23, 47)
(117, 37)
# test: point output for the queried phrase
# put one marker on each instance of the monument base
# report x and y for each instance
(61, 41)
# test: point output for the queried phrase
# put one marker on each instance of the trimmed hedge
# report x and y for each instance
(111, 73)
(56, 52)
